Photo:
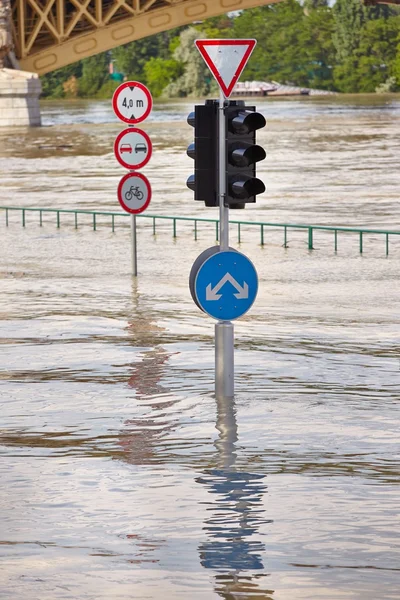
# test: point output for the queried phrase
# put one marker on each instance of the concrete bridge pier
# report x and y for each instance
(19, 90)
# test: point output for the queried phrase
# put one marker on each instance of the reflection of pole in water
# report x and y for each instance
(141, 437)
(235, 515)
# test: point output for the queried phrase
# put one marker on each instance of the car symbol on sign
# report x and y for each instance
(126, 148)
(141, 148)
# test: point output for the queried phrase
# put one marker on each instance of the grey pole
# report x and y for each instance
(133, 237)
(223, 210)
(224, 334)
(224, 360)
(134, 245)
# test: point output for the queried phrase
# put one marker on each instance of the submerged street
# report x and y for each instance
(122, 477)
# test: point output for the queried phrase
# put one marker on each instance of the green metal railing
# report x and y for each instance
(310, 229)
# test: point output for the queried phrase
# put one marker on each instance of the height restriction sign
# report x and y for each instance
(132, 102)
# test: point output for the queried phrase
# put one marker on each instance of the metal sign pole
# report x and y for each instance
(134, 245)
(133, 238)
(224, 333)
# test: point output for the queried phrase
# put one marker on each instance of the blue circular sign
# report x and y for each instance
(226, 285)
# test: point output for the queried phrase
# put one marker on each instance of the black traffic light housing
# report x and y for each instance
(204, 151)
(242, 154)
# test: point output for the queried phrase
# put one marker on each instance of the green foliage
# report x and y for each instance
(373, 54)
(160, 72)
(107, 89)
(292, 47)
(131, 58)
(94, 74)
(196, 79)
(389, 86)
(52, 83)
(315, 4)
(217, 27)
(349, 18)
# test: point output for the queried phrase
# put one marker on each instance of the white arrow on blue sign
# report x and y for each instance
(226, 285)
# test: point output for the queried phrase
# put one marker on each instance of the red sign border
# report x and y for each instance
(118, 155)
(119, 192)
(226, 42)
(117, 92)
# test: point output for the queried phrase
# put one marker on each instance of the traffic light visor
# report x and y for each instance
(243, 187)
(246, 122)
(242, 155)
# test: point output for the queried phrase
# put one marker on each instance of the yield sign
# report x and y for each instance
(226, 60)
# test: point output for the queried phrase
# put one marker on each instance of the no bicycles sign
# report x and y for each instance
(134, 193)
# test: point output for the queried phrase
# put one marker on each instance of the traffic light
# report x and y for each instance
(204, 151)
(242, 154)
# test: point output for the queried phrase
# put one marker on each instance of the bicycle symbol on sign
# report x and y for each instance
(134, 192)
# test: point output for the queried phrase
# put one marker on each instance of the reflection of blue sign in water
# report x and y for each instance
(233, 521)
(226, 285)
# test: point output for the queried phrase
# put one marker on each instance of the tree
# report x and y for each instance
(376, 54)
(94, 74)
(131, 58)
(316, 37)
(160, 72)
(292, 47)
(365, 40)
(196, 79)
(314, 5)
(349, 18)
(52, 83)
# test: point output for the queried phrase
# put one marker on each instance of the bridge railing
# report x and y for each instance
(155, 219)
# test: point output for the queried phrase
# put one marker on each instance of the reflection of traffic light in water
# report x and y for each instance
(235, 516)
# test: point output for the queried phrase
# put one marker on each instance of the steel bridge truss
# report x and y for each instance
(49, 34)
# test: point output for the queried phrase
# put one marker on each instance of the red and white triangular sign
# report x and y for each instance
(226, 60)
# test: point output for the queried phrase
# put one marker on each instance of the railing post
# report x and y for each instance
(112, 223)
(6, 217)
(285, 237)
(262, 235)
(216, 231)
(58, 219)
(40, 218)
(154, 226)
(94, 221)
(23, 217)
(310, 238)
(238, 233)
(76, 220)
(174, 227)
(361, 242)
(195, 230)
(387, 244)
(335, 240)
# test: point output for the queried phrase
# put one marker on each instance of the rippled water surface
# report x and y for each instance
(122, 476)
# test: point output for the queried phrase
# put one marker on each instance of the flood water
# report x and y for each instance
(121, 475)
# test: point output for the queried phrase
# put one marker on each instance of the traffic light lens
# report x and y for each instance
(191, 151)
(246, 122)
(191, 183)
(243, 156)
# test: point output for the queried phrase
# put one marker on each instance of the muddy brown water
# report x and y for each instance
(121, 476)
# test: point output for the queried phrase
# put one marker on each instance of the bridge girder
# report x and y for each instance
(49, 34)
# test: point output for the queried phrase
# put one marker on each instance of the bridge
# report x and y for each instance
(49, 34)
